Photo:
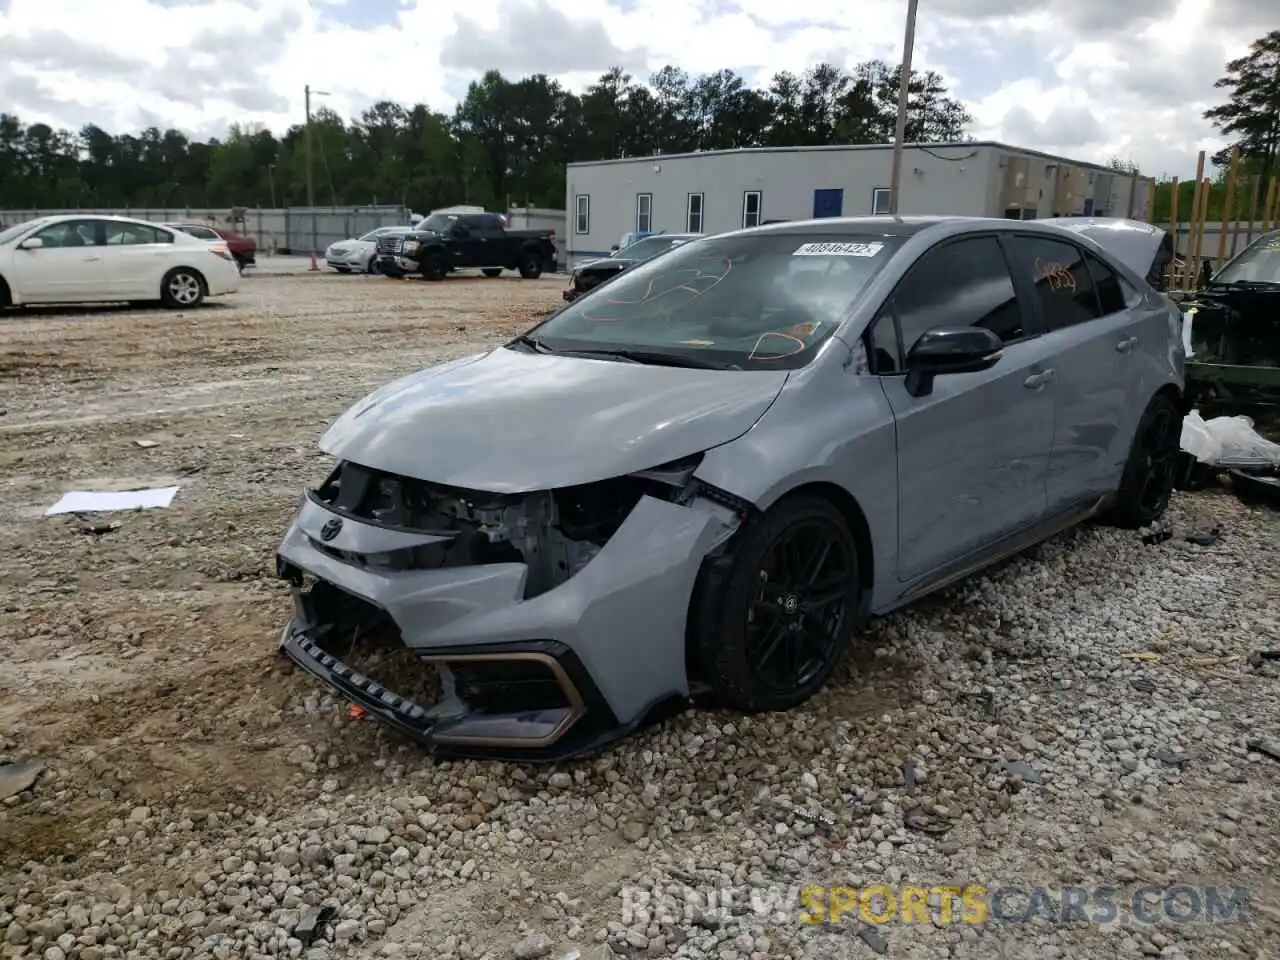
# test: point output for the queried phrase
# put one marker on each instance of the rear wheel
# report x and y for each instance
(492, 272)
(786, 608)
(182, 288)
(372, 265)
(531, 266)
(6, 299)
(433, 267)
(1148, 480)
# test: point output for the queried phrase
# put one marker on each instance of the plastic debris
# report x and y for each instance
(1227, 442)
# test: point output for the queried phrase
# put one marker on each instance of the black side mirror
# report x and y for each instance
(614, 248)
(944, 350)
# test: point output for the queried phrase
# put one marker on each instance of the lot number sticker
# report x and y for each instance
(838, 250)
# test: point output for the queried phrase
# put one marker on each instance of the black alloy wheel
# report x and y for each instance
(797, 619)
(787, 609)
(1151, 471)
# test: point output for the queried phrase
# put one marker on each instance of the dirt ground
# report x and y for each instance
(145, 641)
(1080, 715)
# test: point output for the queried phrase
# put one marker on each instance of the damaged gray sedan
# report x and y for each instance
(702, 477)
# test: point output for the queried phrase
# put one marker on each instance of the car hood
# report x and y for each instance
(511, 422)
(1132, 242)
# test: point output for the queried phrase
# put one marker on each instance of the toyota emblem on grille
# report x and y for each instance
(330, 529)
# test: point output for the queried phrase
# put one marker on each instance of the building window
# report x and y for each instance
(751, 208)
(644, 212)
(693, 214)
(582, 223)
(880, 202)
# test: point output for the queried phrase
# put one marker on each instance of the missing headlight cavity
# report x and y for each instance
(555, 533)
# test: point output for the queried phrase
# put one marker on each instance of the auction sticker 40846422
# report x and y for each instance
(834, 249)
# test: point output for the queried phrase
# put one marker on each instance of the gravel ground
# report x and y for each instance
(1078, 717)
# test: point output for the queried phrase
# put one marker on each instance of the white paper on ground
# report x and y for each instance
(101, 501)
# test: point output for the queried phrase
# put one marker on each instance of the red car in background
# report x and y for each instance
(244, 250)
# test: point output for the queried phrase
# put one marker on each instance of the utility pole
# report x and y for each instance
(311, 191)
(904, 88)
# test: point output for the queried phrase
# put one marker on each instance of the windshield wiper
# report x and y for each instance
(656, 358)
(533, 343)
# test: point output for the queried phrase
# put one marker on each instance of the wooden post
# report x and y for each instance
(1246, 209)
(1192, 222)
(1175, 228)
(1233, 171)
(1269, 203)
(1202, 217)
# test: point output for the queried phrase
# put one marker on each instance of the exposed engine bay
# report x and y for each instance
(554, 533)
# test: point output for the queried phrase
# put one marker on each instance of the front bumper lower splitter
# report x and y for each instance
(592, 728)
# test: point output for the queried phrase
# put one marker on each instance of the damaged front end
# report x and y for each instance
(532, 625)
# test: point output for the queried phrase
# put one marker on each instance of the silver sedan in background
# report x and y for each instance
(359, 253)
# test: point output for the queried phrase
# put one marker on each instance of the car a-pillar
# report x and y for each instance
(774, 613)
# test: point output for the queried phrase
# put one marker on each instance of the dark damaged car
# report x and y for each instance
(591, 274)
(705, 482)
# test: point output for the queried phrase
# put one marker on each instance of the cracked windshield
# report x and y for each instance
(1260, 263)
(747, 301)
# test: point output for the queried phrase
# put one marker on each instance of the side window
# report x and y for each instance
(201, 233)
(70, 233)
(965, 283)
(132, 234)
(1111, 297)
(1063, 285)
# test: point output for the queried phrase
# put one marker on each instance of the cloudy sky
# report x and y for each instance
(1087, 78)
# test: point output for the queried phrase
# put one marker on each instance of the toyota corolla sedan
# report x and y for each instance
(703, 480)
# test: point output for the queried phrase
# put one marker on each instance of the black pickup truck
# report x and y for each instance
(444, 242)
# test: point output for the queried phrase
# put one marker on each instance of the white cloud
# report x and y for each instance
(1089, 78)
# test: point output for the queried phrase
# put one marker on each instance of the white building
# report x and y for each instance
(719, 190)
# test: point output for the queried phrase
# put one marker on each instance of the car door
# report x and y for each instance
(491, 250)
(1086, 325)
(137, 256)
(66, 267)
(973, 454)
(463, 246)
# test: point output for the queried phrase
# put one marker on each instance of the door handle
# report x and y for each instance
(1124, 346)
(1037, 380)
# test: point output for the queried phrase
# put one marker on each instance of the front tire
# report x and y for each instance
(531, 267)
(782, 620)
(433, 267)
(1147, 483)
(182, 289)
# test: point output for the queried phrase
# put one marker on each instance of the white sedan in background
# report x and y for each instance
(358, 253)
(95, 258)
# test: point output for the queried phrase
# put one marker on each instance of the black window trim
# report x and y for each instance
(581, 213)
(759, 195)
(1033, 323)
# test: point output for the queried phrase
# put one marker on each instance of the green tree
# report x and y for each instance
(1251, 115)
